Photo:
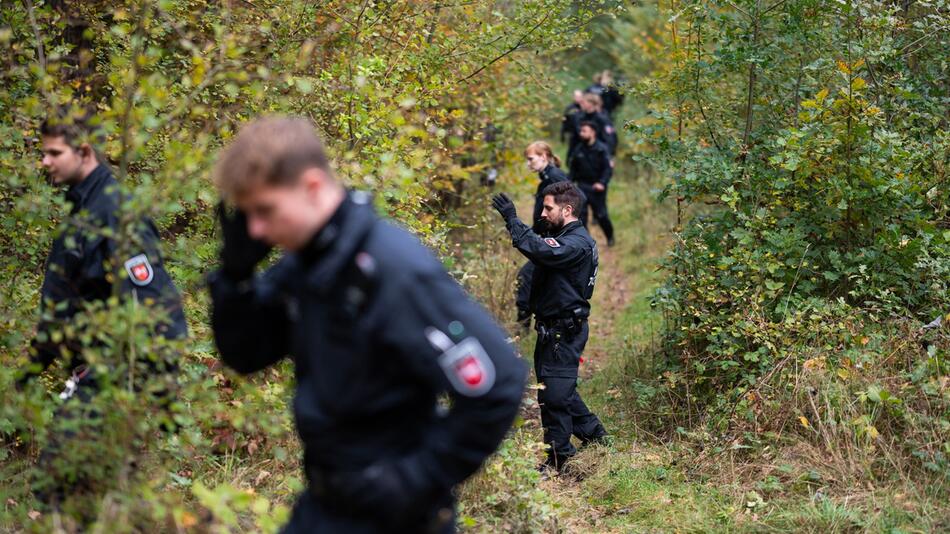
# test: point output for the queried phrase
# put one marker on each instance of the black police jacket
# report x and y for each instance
(610, 133)
(602, 125)
(611, 97)
(591, 164)
(550, 175)
(377, 331)
(565, 268)
(569, 123)
(83, 262)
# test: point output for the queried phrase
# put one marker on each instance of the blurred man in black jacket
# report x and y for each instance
(377, 331)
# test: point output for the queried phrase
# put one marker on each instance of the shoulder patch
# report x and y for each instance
(552, 242)
(466, 364)
(140, 270)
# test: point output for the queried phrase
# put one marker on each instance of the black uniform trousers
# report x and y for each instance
(597, 201)
(314, 514)
(557, 356)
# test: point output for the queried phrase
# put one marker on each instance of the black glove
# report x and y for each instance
(240, 253)
(504, 206)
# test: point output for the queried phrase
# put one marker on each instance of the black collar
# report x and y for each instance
(79, 193)
(338, 241)
(324, 238)
(567, 228)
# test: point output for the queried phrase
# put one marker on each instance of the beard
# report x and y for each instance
(554, 225)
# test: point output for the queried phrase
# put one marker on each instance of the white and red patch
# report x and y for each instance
(468, 368)
(552, 242)
(140, 270)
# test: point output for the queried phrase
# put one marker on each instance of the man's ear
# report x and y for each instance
(86, 151)
(313, 180)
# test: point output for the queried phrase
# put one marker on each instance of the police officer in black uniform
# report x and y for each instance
(604, 87)
(565, 271)
(592, 112)
(377, 331)
(84, 263)
(571, 114)
(548, 166)
(591, 169)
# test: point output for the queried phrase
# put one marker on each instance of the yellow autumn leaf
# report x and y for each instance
(823, 94)
(188, 520)
(872, 432)
(804, 421)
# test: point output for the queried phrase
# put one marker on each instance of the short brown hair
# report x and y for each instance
(76, 126)
(565, 194)
(271, 150)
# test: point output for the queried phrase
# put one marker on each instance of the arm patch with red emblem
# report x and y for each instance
(140, 270)
(552, 242)
(466, 364)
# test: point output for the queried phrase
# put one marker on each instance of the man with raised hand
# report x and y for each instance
(565, 269)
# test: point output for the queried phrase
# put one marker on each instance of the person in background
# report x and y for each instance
(604, 87)
(91, 260)
(571, 114)
(592, 112)
(591, 169)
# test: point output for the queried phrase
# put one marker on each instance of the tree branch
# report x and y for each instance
(512, 49)
(40, 52)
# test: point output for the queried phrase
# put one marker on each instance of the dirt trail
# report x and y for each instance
(611, 297)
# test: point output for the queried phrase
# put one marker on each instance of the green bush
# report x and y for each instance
(404, 93)
(807, 147)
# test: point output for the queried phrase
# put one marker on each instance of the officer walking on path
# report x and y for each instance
(377, 330)
(592, 112)
(571, 115)
(565, 269)
(591, 170)
(548, 166)
(82, 268)
(603, 86)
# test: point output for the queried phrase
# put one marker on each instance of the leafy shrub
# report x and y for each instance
(807, 146)
(405, 93)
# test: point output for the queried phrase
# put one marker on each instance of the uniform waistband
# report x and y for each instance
(575, 314)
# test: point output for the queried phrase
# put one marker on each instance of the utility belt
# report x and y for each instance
(558, 326)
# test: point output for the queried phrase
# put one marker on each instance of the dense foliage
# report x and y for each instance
(807, 146)
(416, 100)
